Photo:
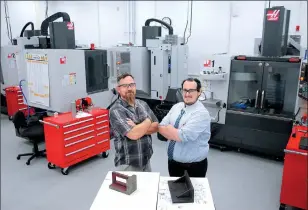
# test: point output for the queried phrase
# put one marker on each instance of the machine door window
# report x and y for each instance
(96, 71)
(279, 88)
(245, 86)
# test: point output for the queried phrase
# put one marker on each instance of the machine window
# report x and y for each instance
(96, 71)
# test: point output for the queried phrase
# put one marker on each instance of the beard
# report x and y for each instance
(130, 97)
(190, 103)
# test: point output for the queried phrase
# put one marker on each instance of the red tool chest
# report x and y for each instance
(294, 188)
(71, 140)
(15, 101)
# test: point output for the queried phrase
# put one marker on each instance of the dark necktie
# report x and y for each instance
(172, 142)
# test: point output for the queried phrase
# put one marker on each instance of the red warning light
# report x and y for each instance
(294, 60)
(92, 47)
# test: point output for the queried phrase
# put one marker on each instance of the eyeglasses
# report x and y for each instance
(128, 85)
(189, 91)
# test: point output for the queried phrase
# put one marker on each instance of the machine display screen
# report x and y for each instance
(125, 57)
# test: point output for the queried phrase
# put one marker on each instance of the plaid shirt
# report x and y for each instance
(130, 152)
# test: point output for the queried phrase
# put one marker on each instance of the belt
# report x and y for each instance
(188, 164)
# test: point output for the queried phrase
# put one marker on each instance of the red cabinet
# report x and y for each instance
(15, 101)
(71, 140)
(294, 188)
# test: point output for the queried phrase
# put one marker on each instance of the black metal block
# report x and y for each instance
(181, 190)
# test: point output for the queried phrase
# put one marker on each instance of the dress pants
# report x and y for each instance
(195, 169)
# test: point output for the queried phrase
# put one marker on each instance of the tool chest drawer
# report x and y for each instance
(15, 101)
(70, 139)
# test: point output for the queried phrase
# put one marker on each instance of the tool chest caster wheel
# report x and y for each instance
(105, 154)
(51, 166)
(282, 207)
(222, 148)
(64, 171)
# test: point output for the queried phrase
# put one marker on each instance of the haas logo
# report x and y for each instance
(273, 15)
(70, 26)
(207, 63)
(63, 60)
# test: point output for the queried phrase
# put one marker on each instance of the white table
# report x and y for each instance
(202, 196)
(145, 197)
(152, 194)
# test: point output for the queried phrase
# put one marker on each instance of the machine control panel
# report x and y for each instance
(123, 62)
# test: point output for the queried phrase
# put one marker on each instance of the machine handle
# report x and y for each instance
(108, 70)
(262, 99)
(48, 123)
(260, 115)
(257, 96)
(295, 152)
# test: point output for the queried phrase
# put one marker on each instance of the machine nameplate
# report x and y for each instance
(69, 79)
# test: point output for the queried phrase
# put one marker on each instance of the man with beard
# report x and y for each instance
(187, 128)
(132, 122)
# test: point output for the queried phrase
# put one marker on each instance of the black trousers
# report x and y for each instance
(196, 169)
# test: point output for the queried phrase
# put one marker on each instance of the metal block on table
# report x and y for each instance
(127, 188)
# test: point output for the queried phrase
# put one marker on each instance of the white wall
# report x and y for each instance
(100, 22)
(16, 11)
(217, 26)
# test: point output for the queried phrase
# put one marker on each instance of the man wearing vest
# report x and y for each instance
(187, 127)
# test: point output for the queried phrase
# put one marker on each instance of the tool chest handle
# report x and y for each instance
(48, 123)
(295, 152)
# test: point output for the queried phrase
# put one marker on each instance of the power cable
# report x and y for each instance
(8, 22)
(191, 11)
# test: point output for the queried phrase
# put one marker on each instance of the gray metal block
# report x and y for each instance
(127, 188)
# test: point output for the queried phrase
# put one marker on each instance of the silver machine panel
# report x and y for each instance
(9, 65)
(161, 65)
(133, 60)
(10, 60)
(63, 92)
(168, 65)
(52, 66)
